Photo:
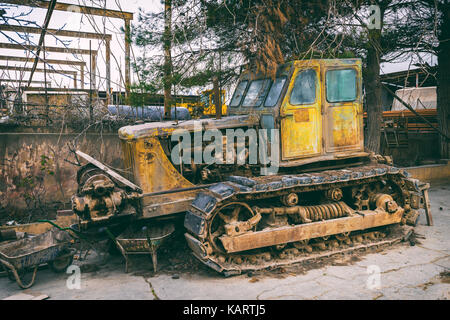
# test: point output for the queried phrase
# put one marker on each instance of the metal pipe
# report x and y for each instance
(51, 6)
(69, 7)
(127, 56)
(56, 32)
(158, 193)
(50, 61)
(108, 71)
(15, 46)
(415, 112)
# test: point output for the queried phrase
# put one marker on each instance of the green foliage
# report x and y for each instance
(138, 93)
(199, 79)
(263, 33)
(46, 165)
(198, 52)
(32, 185)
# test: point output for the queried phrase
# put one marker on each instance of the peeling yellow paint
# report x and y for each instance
(321, 128)
(309, 132)
(152, 169)
(345, 126)
(301, 125)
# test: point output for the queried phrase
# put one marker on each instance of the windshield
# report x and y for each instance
(341, 85)
(304, 91)
(275, 92)
(238, 93)
(256, 93)
(204, 98)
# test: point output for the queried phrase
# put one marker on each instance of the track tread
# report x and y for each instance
(238, 188)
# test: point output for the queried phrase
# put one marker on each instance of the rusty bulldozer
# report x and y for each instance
(322, 193)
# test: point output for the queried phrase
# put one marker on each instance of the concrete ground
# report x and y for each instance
(421, 271)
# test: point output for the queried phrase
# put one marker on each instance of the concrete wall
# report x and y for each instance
(435, 173)
(33, 166)
(34, 170)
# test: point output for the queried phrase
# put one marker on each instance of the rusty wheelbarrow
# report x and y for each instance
(145, 240)
(51, 247)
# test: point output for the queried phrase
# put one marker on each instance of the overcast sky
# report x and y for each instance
(79, 22)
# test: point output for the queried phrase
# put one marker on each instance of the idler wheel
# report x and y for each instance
(290, 199)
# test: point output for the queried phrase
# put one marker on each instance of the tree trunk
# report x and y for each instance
(443, 81)
(217, 100)
(167, 57)
(373, 92)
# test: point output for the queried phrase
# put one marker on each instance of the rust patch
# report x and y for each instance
(301, 115)
(344, 126)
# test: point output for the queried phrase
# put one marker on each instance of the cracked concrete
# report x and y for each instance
(151, 289)
(406, 272)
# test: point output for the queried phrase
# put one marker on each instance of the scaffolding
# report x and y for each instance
(103, 37)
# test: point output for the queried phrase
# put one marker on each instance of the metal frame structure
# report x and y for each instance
(44, 30)
(92, 53)
(74, 7)
(56, 32)
(21, 81)
(76, 34)
(26, 47)
(24, 69)
(125, 16)
(81, 64)
(52, 61)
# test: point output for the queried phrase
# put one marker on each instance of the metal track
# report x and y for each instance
(242, 189)
(230, 269)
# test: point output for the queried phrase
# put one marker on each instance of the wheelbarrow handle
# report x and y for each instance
(110, 234)
(54, 224)
(67, 229)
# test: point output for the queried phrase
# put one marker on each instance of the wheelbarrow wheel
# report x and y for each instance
(19, 275)
(9, 273)
(28, 276)
(10, 276)
(61, 264)
(112, 248)
(20, 272)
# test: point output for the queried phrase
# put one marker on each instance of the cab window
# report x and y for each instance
(256, 93)
(238, 93)
(304, 91)
(204, 98)
(275, 92)
(341, 85)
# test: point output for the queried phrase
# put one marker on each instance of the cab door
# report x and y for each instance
(301, 130)
(343, 110)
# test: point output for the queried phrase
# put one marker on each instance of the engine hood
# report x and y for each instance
(165, 128)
